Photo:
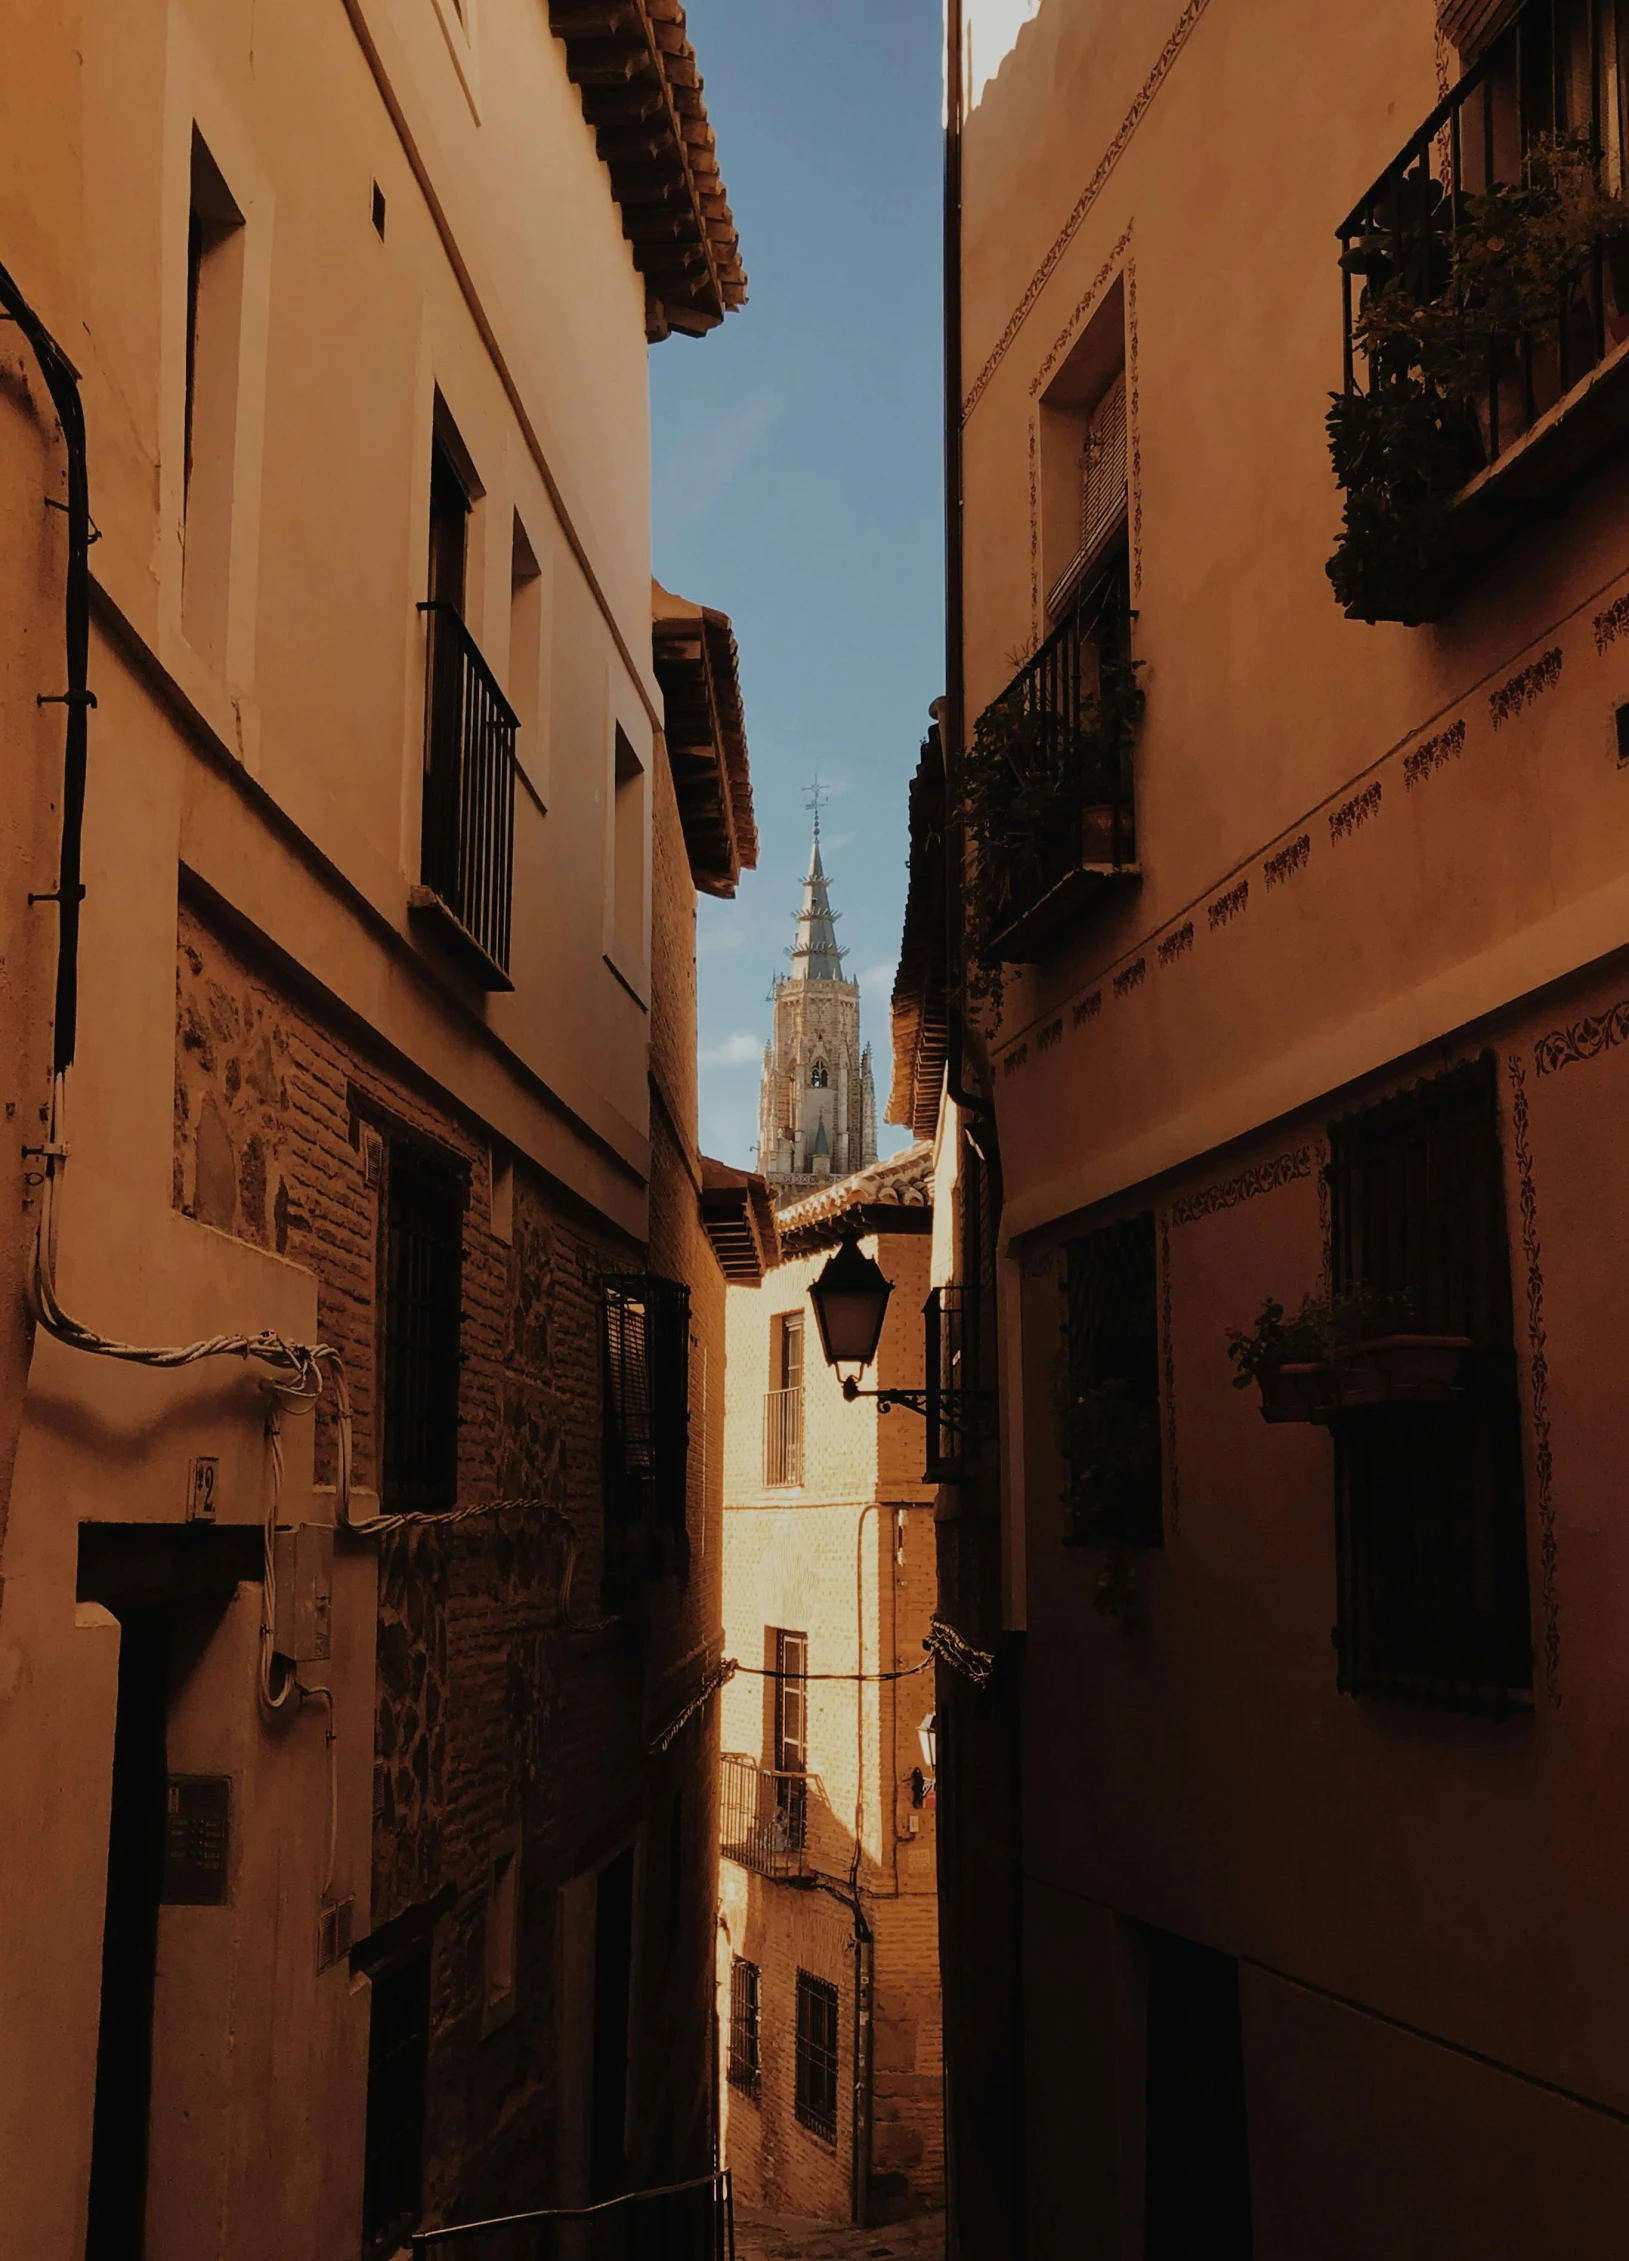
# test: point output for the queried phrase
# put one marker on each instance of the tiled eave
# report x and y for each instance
(892, 1196)
(693, 652)
(642, 94)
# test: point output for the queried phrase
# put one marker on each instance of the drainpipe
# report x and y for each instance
(62, 383)
(864, 1952)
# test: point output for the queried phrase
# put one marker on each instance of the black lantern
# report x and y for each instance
(850, 1299)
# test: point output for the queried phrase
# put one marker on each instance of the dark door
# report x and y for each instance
(135, 1876)
(1198, 2157)
(613, 1989)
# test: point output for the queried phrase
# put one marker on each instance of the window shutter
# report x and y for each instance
(1103, 466)
(1473, 25)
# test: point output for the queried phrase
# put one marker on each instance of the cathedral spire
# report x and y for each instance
(815, 955)
(817, 1117)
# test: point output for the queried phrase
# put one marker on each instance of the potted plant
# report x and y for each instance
(1286, 1360)
(1343, 1354)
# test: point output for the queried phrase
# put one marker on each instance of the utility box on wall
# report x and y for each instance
(302, 1619)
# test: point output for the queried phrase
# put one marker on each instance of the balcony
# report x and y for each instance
(1485, 281)
(763, 1816)
(783, 1437)
(467, 854)
(1047, 792)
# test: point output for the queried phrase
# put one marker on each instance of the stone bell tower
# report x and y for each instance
(817, 1113)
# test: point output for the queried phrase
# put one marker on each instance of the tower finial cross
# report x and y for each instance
(814, 795)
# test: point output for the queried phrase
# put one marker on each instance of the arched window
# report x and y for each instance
(817, 1075)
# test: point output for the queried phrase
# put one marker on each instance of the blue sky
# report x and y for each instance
(796, 458)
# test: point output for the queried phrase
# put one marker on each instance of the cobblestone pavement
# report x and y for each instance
(787, 2237)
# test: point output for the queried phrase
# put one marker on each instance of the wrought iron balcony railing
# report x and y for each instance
(1062, 821)
(763, 1816)
(467, 852)
(783, 1437)
(1529, 125)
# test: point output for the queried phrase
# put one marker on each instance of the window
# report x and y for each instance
(628, 855)
(744, 2059)
(1083, 455)
(467, 824)
(783, 1401)
(1431, 1550)
(393, 2143)
(816, 2073)
(423, 1268)
(818, 1077)
(526, 651)
(214, 332)
(502, 1941)
(449, 526)
(646, 1353)
(789, 1659)
(1198, 2150)
(1111, 1411)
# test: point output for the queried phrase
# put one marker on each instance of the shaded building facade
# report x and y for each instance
(362, 1549)
(1305, 1001)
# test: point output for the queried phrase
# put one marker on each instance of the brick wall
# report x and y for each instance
(498, 1707)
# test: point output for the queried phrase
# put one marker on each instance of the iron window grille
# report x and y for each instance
(645, 1342)
(1111, 1410)
(1560, 67)
(393, 2139)
(815, 2091)
(763, 1816)
(467, 851)
(783, 1437)
(424, 1258)
(744, 2037)
(1431, 1545)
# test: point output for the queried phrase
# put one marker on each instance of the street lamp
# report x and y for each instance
(850, 1299)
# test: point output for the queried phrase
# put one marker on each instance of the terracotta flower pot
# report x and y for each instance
(1400, 1370)
(1295, 1392)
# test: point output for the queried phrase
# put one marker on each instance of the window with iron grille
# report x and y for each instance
(646, 1349)
(393, 2140)
(744, 2063)
(1431, 1545)
(423, 1266)
(1111, 1409)
(815, 2098)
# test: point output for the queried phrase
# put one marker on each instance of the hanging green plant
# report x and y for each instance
(1038, 794)
(1443, 335)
